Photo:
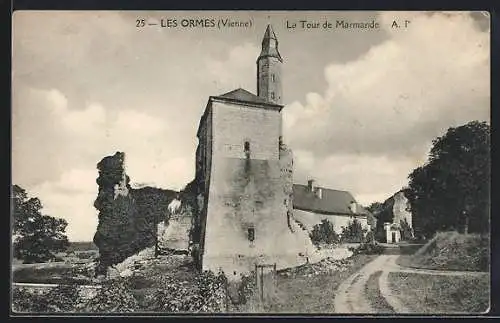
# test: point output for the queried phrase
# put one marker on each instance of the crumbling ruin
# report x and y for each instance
(128, 217)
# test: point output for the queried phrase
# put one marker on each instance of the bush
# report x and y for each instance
(353, 233)
(406, 231)
(246, 288)
(368, 249)
(213, 289)
(381, 235)
(114, 296)
(369, 237)
(24, 301)
(207, 295)
(454, 251)
(62, 298)
(324, 232)
(86, 254)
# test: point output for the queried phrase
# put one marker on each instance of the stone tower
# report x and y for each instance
(269, 69)
(244, 177)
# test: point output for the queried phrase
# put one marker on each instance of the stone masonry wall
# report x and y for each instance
(246, 219)
(127, 217)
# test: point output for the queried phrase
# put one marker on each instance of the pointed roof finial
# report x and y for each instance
(270, 44)
(270, 32)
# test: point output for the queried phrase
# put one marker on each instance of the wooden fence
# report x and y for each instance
(266, 280)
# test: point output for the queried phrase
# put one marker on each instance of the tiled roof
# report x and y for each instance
(243, 95)
(331, 201)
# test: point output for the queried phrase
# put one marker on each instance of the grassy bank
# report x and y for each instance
(61, 274)
(437, 294)
(372, 293)
(311, 293)
(451, 251)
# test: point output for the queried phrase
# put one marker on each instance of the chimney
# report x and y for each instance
(310, 185)
(353, 207)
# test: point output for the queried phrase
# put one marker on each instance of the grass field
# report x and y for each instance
(451, 251)
(372, 293)
(81, 246)
(48, 275)
(437, 294)
(314, 294)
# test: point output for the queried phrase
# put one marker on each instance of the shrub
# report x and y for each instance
(174, 297)
(369, 237)
(24, 301)
(207, 295)
(454, 251)
(114, 296)
(86, 254)
(213, 289)
(62, 298)
(354, 232)
(246, 287)
(324, 232)
(406, 231)
(368, 249)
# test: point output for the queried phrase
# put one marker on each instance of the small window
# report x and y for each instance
(251, 234)
(247, 146)
(272, 78)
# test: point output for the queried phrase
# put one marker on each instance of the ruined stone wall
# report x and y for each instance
(400, 209)
(174, 235)
(128, 217)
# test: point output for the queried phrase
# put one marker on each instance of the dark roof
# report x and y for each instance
(270, 32)
(267, 48)
(240, 95)
(243, 95)
(331, 201)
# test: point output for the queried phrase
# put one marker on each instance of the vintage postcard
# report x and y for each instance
(329, 162)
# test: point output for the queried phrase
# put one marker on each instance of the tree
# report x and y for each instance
(406, 230)
(375, 208)
(324, 232)
(452, 190)
(354, 232)
(36, 237)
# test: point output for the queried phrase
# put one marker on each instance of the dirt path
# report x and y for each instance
(350, 297)
(350, 294)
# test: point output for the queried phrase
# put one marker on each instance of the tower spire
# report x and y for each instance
(270, 44)
(269, 68)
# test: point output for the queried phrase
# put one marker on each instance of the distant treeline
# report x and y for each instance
(81, 246)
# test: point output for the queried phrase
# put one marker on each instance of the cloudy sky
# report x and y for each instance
(362, 106)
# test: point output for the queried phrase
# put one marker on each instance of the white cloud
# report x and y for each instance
(71, 198)
(93, 133)
(363, 133)
(137, 122)
(374, 122)
(58, 102)
(235, 71)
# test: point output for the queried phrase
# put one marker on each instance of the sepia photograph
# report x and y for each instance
(250, 162)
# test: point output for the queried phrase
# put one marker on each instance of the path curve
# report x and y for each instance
(350, 296)
(393, 266)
